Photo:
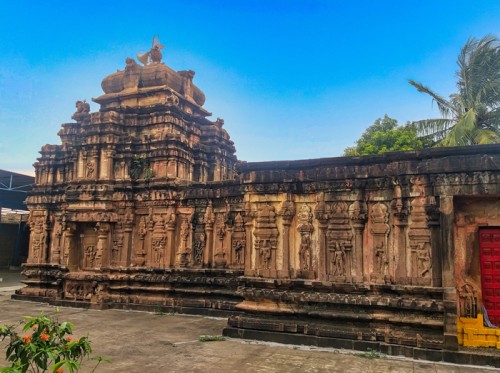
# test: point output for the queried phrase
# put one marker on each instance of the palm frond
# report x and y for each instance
(486, 137)
(445, 107)
(433, 127)
(462, 132)
(478, 74)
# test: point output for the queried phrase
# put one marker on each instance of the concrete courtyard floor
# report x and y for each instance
(148, 342)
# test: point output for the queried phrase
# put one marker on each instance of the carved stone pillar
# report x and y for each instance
(47, 229)
(321, 214)
(70, 256)
(220, 259)
(106, 166)
(140, 253)
(56, 251)
(126, 253)
(400, 212)
(305, 228)
(101, 258)
(447, 251)
(184, 250)
(433, 223)
(159, 243)
(400, 221)
(171, 223)
(358, 218)
(248, 219)
(95, 163)
(287, 212)
(382, 267)
(339, 243)
(36, 238)
(209, 220)
(266, 241)
(420, 235)
(238, 242)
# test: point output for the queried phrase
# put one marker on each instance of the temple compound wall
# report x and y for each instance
(144, 205)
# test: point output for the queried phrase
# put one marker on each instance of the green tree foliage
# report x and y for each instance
(472, 115)
(385, 135)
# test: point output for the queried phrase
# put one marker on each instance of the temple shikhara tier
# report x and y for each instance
(144, 205)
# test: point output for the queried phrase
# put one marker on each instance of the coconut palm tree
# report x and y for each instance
(471, 116)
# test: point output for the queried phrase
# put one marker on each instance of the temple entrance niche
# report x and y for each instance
(477, 230)
(339, 243)
(266, 240)
(86, 245)
(90, 241)
(489, 251)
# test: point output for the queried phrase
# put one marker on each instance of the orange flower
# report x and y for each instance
(27, 339)
(59, 370)
(35, 327)
(69, 339)
(44, 337)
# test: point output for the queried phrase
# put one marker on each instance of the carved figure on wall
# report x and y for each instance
(90, 254)
(142, 228)
(115, 251)
(382, 262)
(184, 251)
(238, 240)
(265, 254)
(36, 249)
(184, 229)
(90, 168)
(184, 233)
(379, 217)
(37, 238)
(424, 259)
(305, 229)
(159, 240)
(339, 240)
(140, 254)
(287, 210)
(305, 252)
(423, 210)
(304, 216)
(468, 300)
(199, 246)
(266, 234)
(397, 197)
(338, 260)
(238, 247)
(221, 226)
(157, 252)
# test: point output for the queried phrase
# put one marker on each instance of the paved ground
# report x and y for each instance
(147, 342)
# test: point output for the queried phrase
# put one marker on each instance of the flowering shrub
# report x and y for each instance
(45, 346)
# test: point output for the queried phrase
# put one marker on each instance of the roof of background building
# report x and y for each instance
(13, 189)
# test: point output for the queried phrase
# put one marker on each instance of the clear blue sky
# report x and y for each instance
(292, 79)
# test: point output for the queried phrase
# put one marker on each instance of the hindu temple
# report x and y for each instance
(144, 205)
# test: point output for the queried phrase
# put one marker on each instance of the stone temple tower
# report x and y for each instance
(108, 195)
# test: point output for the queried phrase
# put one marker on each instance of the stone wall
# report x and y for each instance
(145, 206)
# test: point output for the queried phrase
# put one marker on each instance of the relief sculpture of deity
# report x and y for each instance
(338, 260)
(305, 252)
(90, 169)
(424, 260)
